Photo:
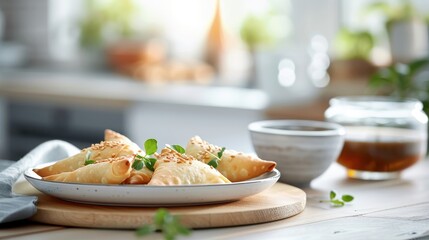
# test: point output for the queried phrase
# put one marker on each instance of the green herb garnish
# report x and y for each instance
(87, 162)
(215, 161)
(220, 153)
(150, 147)
(138, 164)
(177, 148)
(168, 224)
(338, 202)
(347, 198)
(88, 158)
(141, 161)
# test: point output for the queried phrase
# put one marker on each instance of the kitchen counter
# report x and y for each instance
(115, 90)
(77, 107)
(394, 209)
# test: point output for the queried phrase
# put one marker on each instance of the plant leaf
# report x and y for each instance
(168, 224)
(347, 198)
(159, 217)
(377, 80)
(145, 230)
(416, 65)
(137, 164)
(178, 148)
(214, 163)
(337, 203)
(88, 158)
(150, 163)
(332, 195)
(150, 146)
(220, 153)
(87, 162)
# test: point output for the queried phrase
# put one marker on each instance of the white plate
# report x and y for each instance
(143, 195)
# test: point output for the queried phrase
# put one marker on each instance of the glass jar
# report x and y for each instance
(383, 135)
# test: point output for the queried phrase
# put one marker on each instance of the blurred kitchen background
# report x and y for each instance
(171, 69)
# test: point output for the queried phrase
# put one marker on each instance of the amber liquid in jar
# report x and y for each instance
(380, 149)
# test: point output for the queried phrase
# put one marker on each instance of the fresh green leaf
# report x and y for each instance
(401, 80)
(87, 162)
(337, 202)
(417, 65)
(150, 146)
(178, 148)
(141, 161)
(332, 195)
(160, 216)
(168, 224)
(216, 158)
(220, 153)
(214, 162)
(347, 198)
(145, 230)
(137, 164)
(150, 163)
(88, 158)
(169, 220)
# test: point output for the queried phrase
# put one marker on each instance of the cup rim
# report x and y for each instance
(267, 127)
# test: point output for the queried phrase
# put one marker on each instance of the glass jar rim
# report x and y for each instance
(376, 102)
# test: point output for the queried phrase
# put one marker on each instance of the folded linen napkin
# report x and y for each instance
(17, 207)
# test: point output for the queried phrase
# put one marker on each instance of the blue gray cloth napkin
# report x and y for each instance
(15, 207)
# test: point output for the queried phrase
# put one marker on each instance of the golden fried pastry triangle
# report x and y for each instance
(236, 166)
(173, 168)
(141, 176)
(103, 150)
(108, 171)
(110, 135)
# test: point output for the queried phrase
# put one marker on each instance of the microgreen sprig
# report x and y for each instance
(216, 158)
(168, 224)
(88, 158)
(150, 147)
(176, 148)
(338, 202)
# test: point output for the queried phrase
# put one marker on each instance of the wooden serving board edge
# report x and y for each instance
(211, 220)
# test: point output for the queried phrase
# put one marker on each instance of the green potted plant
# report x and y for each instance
(402, 80)
(116, 17)
(353, 50)
(406, 29)
(101, 24)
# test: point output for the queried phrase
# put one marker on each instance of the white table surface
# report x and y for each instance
(394, 209)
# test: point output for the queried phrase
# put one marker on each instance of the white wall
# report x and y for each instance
(312, 17)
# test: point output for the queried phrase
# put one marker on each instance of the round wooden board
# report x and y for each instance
(279, 202)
